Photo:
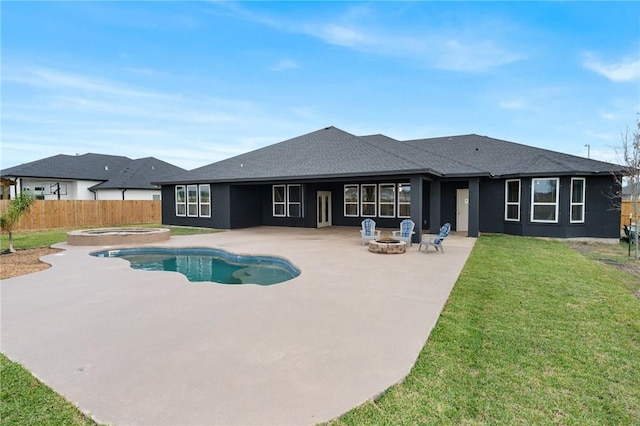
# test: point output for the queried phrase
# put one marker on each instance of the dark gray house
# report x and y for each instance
(333, 178)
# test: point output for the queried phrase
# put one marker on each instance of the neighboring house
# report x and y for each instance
(88, 177)
(626, 192)
(330, 177)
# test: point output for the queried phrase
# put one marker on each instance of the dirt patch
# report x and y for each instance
(24, 262)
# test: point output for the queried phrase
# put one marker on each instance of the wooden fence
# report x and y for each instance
(626, 209)
(87, 213)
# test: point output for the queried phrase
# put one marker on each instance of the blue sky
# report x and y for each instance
(192, 83)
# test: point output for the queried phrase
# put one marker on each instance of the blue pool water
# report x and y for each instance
(207, 264)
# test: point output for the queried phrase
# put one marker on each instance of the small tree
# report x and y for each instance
(629, 153)
(17, 207)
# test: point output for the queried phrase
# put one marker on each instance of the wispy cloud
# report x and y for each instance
(55, 79)
(284, 65)
(360, 29)
(63, 111)
(625, 70)
(515, 103)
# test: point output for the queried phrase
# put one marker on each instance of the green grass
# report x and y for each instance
(26, 401)
(533, 333)
(23, 240)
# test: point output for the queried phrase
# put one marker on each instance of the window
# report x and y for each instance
(192, 200)
(404, 200)
(205, 200)
(544, 200)
(181, 199)
(512, 200)
(156, 197)
(577, 200)
(279, 201)
(387, 204)
(368, 197)
(351, 200)
(294, 202)
(287, 201)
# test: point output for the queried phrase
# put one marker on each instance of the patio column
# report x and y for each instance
(474, 207)
(416, 206)
(434, 209)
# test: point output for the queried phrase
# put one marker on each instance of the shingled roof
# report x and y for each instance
(332, 152)
(114, 172)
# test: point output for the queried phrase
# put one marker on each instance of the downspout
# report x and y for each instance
(123, 191)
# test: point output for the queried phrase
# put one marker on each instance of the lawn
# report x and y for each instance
(534, 333)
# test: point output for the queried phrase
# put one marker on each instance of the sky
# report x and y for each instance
(192, 83)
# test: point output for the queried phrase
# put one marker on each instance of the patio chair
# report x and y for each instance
(405, 232)
(435, 240)
(369, 232)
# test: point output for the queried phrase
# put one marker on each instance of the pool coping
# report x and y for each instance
(145, 348)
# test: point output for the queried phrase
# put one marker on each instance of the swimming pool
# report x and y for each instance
(208, 264)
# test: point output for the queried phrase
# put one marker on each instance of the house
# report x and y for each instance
(333, 178)
(88, 177)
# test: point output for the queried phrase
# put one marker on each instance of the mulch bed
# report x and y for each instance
(23, 262)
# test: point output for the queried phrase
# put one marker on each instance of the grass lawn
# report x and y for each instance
(534, 333)
(26, 401)
(44, 238)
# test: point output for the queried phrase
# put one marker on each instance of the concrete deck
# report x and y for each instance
(150, 348)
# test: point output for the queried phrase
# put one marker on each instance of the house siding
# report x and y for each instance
(242, 206)
(599, 214)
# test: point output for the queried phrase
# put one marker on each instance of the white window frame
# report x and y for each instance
(194, 204)
(294, 203)
(403, 203)
(582, 204)
(352, 203)
(282, 203)
(556, 203)
(204, 203)
(508, 203)
(181, 203)
(386, 203)
(373, 203)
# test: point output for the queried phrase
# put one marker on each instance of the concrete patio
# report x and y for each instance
(150, 348)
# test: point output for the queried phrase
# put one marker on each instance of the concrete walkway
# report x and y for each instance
(150, 348)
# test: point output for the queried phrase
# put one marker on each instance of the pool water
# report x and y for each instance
(208, 265)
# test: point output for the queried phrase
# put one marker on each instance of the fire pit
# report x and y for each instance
(387, 246)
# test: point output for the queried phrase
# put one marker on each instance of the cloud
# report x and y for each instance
(64, 113)
(55, 79)
(518, 103)
(285, 65)
(623, 71)
(362, 29)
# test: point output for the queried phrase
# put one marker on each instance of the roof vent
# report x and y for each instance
(106, 167)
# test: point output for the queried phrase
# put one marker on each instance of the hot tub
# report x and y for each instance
(115, 236)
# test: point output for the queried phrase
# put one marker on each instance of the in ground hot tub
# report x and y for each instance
(115, 236)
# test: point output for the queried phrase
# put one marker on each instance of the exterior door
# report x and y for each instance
(324, 208)
(462, 210)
